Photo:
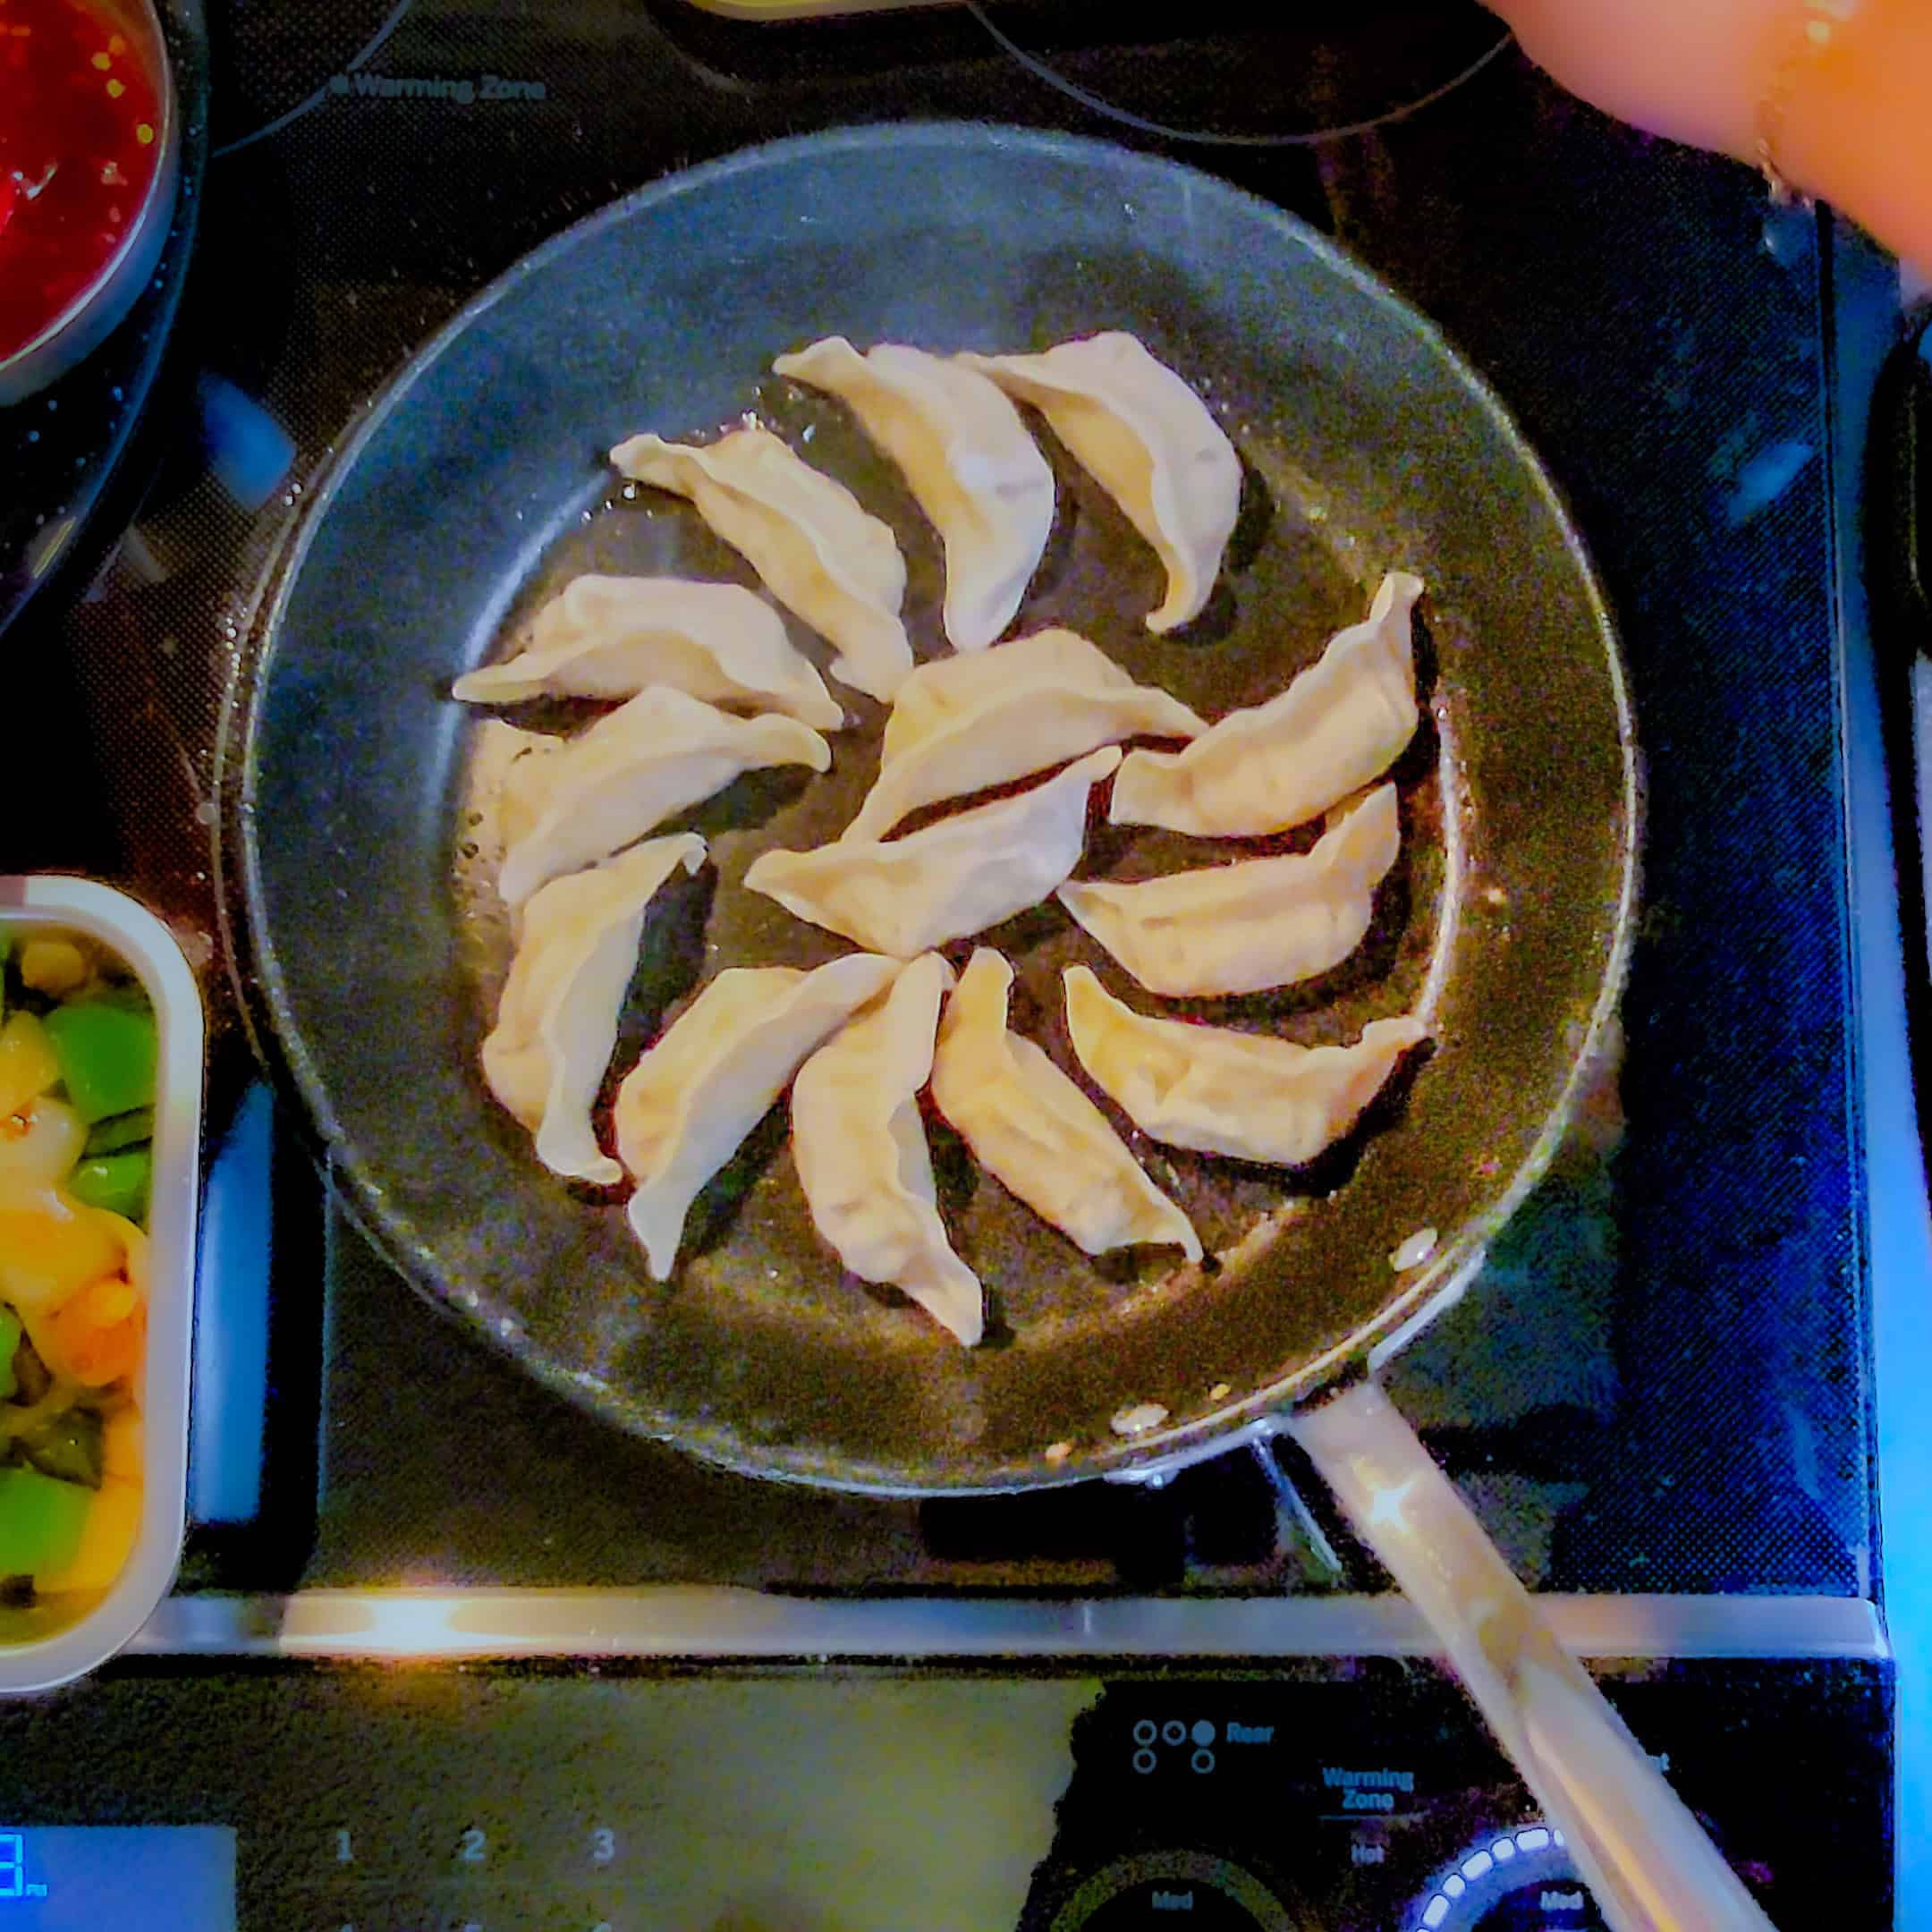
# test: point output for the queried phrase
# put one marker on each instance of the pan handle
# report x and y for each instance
(1639, 1849)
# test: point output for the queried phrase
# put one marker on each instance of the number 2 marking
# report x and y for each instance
(472, 1847)
(13, 1867)
(603, 1846)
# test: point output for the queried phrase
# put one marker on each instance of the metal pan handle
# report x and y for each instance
(1639, 1849)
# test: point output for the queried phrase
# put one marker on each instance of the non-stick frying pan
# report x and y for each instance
(360, 846)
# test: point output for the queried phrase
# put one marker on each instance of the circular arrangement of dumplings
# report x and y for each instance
(710, 687)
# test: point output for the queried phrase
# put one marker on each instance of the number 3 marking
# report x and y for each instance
(603, 1846)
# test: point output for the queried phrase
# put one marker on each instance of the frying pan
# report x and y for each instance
(360, 850)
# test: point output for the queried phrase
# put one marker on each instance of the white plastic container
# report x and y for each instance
(148, 950)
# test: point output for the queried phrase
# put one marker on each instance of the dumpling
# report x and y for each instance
(966, 458)
(1057, 697)
(1034, 1131)
(1336, 728)
(821, 555)
(1219, 1092)
(859, 1147)
(708, 1081)
(557, 1019)
(1149, 443)
(946, 881)
(661, 754)
(609, 636)
(1254, 924)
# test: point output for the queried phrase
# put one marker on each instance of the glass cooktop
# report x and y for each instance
(1661, 1384)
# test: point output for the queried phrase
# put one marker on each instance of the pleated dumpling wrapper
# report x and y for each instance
(859, 1147)
(948, 881)
(710, 1078)
(966, 458)
(829, 562)
(1036, 1132)
(1254, 924)
(1220, 1092)
(576, 800)
(1149, 441)
(557, 1020)
(609, 636)
(984, 720)
(1336, 728)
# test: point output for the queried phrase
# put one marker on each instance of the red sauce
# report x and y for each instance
(79, 135)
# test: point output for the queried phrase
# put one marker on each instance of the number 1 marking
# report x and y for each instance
(344, 1850)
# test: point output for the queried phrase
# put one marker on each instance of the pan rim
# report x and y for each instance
(283, 1049)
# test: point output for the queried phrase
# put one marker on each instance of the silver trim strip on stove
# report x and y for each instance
(707, 1623)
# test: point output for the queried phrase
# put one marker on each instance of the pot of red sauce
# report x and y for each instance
(87, 150)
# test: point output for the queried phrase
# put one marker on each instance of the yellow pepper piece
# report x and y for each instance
(107, 1540)
(52, 1248)
(28, 1067)
(121, 1445)
(55, 967)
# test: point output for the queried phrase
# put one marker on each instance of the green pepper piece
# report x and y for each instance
(116, 1181)
(106, 1053)
(123, 1131)
(66, 1447)
(40, 1522)
(10, 1335)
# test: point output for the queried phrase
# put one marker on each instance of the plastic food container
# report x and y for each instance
(148, 949)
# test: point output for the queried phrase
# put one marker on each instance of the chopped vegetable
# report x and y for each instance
(42, 1522)
(78, 1066)
(10, 1341)
(38, 1145)
(29, 1066)
(30, 1372)
(122, 1130)
(56, 967)
(67, 1445)
(52, 1248)
(106, 1539)
(121, 1445)
(116, 1181)
(106, 1053)
(94, 1336)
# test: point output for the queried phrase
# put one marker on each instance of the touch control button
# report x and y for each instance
(1175, 1892)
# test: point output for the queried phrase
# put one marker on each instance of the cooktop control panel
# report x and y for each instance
(1357, 1797)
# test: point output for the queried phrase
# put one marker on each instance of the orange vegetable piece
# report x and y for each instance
(94, 1336)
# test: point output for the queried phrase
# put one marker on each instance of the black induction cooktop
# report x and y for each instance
(1662, 1385)
(1660, 1388)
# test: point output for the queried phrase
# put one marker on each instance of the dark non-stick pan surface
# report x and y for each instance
(477, 486)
